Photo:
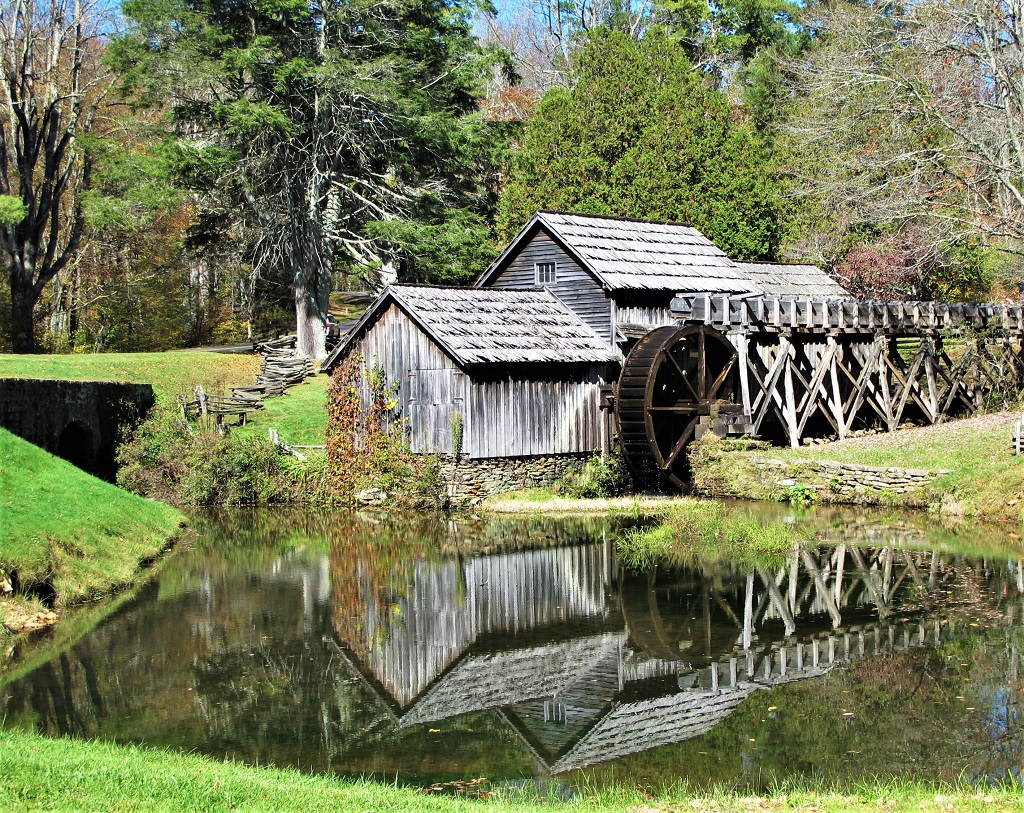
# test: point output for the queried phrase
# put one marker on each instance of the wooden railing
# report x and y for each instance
(799, 313)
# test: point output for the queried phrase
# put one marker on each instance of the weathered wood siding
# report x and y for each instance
(532, 412)
(647, 316)
(435, 397)
(574, 286)
(520, 416)
(431, 385)
(653, 309)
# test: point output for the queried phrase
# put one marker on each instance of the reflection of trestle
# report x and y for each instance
(830, 581)
(708, 695)
(781, 663)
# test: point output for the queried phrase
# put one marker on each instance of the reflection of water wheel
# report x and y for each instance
(672, 379)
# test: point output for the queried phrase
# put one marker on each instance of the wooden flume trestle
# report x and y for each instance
(789, 369)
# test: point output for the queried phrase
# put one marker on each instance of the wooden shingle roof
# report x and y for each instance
(785, 279)
(627, 254)
(475, 326)
(630, 728)
(493, 680)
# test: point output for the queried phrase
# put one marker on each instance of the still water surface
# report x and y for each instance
(432, 650)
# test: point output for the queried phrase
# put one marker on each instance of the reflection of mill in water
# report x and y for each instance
(588, 662)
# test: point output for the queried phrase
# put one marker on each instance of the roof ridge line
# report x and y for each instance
(777, 262)
(624, 218)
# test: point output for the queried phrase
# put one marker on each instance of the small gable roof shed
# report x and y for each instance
(625, 254)
(521, 370)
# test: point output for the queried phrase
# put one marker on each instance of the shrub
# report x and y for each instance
(595, 479)
(367, 443)
(176, 461)
(801, 495)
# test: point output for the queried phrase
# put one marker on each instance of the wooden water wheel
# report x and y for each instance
(673, 381)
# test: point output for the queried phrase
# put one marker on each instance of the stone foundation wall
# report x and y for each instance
(470, 480)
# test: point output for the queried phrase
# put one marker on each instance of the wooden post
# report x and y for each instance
(794, 573)
(748, 612)
(933, 389)
(789, 404)
(840, 562)
(837, 395)
(887, 573)
(742, 348)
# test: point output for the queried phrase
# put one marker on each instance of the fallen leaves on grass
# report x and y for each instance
(472, 788)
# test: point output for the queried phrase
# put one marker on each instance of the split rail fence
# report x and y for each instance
(282, 367)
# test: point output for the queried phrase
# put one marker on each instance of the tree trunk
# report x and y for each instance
(311, 282)
(310, 316)
(23, 302)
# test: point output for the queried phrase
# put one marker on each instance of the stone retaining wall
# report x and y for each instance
(81, 421)
(758, 476)
(470, 480)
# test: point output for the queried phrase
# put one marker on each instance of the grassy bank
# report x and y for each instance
(169, 373)
(985, 479)
(300, 417)
(43, 774)
(546, 502)
(673, 527)
(65, 530)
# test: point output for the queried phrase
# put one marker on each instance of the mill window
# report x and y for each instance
(545, 273)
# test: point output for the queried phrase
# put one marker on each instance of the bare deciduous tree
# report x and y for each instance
(912, 116)
(542, 36)
(54, 87)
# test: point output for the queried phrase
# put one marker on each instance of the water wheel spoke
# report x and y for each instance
(721, 379)
(685, 408)
(702, 367)
(682, 374)
(684, 439)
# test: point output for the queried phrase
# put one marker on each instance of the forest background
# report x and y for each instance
(184, 172)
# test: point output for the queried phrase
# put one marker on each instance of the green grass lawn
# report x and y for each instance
(65, 527)
(169, 373)
(986, 480)
(299, 416)
(71, 775)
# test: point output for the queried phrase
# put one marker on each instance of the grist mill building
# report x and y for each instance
(588, 330)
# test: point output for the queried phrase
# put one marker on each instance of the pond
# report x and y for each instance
(430, 650)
